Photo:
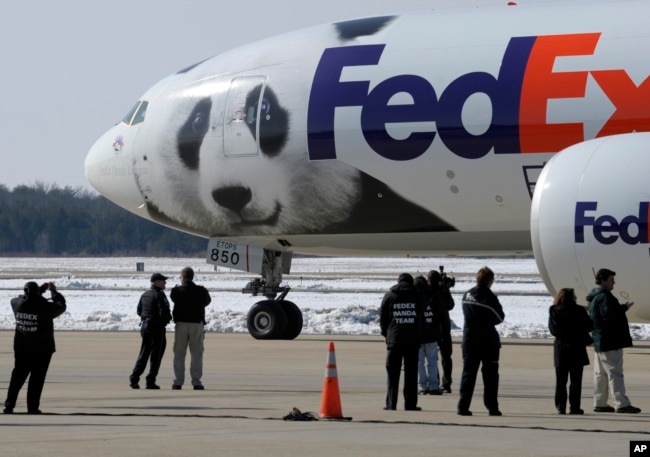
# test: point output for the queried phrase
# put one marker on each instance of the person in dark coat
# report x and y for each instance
(153, 309)
(190, 301)
(570, 324)
(33, 342)
(400, 318)
(428, 379)
(445, 303)
(481, 343)
(611, 334)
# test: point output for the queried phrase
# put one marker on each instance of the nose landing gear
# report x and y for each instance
(274, 318)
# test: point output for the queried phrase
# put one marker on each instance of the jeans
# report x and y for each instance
(428, 367)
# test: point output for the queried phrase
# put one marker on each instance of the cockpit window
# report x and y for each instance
(127, 119)
(136, 114)
(139, 115)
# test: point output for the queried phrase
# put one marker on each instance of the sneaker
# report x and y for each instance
(604, 409)
(447, 389)
(152, 387)
(199, 388)
(423, 392)
(176, 387)
(464, 412)
(435, 392)
(629, 409)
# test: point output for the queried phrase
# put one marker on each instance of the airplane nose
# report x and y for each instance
(109, 168)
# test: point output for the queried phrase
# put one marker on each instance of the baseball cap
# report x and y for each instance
(158, 277)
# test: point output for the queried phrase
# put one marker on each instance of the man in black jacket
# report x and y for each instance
(190, 301)
(153, 309)
(400, 320)
(481, 343)
(33, 342)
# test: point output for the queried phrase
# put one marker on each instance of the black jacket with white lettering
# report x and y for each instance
(401, 313)
(34, 322)
(430, 320)
(482, 312)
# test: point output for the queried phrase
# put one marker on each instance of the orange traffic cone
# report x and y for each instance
(330, 405)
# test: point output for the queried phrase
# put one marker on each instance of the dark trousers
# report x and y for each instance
(395, 354)
(35, 366)
(445, 348)
(488, 359)
(562, 375)
(152, 348)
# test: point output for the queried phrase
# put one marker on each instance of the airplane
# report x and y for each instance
(487, 130)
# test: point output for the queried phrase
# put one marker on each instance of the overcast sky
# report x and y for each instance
(73, 68)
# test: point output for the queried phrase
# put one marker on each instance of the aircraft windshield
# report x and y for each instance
(136, 114)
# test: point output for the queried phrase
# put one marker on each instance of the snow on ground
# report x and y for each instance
(336, 295)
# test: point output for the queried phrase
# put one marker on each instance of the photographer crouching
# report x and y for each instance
(33, 342)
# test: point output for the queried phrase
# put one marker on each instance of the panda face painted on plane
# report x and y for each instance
(227, 155)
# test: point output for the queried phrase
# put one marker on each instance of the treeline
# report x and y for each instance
(52, 221)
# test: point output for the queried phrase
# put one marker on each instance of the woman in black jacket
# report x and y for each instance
(570, 324)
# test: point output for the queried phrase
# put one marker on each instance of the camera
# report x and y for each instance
(46, 286)
(446, 281)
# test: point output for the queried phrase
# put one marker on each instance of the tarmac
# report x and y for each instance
(250, 385)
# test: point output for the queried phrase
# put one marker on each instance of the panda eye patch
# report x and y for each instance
(190, 136)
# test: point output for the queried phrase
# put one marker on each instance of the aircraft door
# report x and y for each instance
(240, 126)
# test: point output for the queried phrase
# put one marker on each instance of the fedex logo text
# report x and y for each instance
(519, 95)
(606, 229)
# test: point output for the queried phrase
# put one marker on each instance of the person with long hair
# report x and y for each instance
(570, 324)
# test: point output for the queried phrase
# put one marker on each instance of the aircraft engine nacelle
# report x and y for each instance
(590, 210)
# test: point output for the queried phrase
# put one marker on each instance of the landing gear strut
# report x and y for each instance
(274, 318)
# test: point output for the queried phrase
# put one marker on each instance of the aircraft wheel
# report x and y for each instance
(294, 320)
(266, 320)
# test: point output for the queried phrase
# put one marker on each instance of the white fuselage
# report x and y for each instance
(405, 134)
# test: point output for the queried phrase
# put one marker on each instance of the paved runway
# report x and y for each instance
(250, 385)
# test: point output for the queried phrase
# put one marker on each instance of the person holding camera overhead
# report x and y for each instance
(33, 342)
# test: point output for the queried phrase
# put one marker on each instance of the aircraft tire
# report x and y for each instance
(294, 320)
(266, 320)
